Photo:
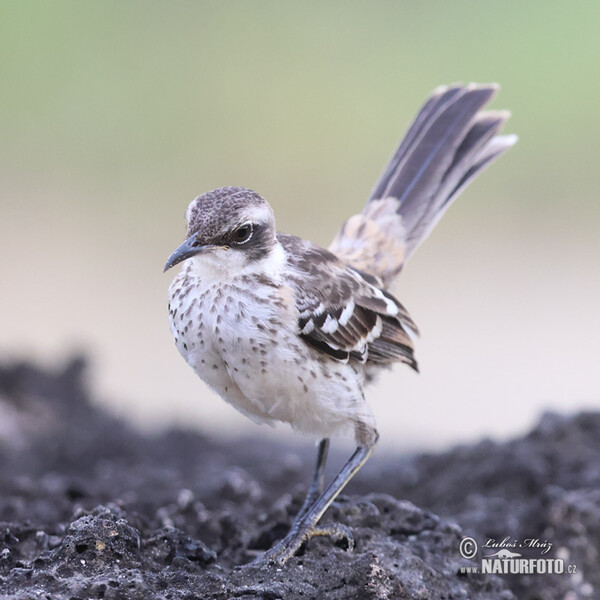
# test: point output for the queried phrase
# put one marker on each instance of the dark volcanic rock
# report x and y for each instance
(91, 508)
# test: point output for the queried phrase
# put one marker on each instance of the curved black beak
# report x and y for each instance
(189, 248)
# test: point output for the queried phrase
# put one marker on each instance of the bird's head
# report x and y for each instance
(228, 228)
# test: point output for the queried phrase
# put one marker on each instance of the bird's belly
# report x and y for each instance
(254, 359)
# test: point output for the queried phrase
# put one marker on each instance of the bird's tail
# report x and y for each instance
(450, 141)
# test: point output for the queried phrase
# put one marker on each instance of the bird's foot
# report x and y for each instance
(281, 552)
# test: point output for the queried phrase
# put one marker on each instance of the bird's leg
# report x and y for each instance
(304, 528)
(316, 485)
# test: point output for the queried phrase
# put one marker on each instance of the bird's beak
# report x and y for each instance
(189, 248)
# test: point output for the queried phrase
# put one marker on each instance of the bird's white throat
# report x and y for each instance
(227, 264)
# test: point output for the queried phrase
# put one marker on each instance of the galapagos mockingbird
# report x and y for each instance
(287, 331)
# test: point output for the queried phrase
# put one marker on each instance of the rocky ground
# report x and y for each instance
(91, 508)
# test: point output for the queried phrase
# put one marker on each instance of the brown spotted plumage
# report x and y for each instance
(287, 331)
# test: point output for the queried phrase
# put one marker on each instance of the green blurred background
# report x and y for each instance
(114, 115)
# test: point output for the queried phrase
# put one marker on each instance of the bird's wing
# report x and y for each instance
(344, 312)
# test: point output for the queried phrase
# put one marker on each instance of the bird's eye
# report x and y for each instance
(243, 233)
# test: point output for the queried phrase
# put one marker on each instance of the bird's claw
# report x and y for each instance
(285, 549)
(337, 532)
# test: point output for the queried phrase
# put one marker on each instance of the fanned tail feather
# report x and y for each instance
(450, 141)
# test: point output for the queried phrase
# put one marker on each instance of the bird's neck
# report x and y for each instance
(226, 266)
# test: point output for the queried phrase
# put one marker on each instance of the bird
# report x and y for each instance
(287, 331)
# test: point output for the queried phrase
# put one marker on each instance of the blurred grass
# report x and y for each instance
(296, 99)
(113, 115)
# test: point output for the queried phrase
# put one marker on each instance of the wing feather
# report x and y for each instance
(343, 312)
